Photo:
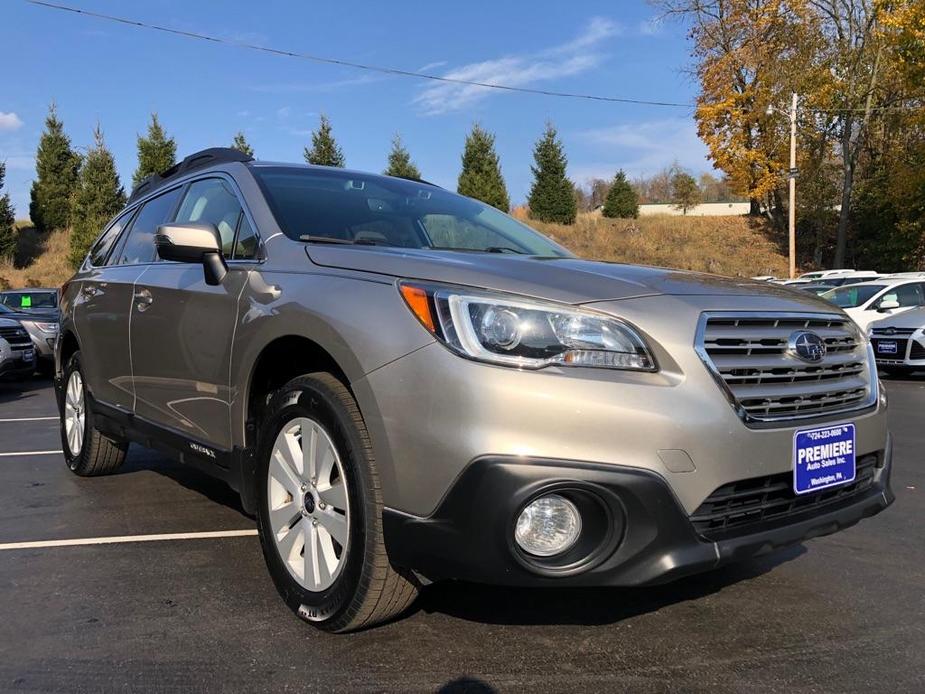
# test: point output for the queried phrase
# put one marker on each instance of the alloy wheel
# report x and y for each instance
(309, 513)
(74, 413)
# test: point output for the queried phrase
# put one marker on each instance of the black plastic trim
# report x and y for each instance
(469, 535)
(195, 161)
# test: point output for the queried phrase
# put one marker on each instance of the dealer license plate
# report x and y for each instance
(886, 347)
(823, 457)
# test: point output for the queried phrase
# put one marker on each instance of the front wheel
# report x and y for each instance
(320, 509)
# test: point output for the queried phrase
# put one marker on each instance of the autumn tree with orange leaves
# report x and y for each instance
(857, 66)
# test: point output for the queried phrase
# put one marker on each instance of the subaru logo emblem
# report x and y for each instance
(806, 346)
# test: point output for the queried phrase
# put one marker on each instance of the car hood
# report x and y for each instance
(568, 280)
(913, 318)
(39, 316)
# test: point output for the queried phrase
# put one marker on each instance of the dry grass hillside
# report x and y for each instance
(738, 246)
(40, 261)
(721, 245)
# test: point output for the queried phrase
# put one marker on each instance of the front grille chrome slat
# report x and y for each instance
(750, 356)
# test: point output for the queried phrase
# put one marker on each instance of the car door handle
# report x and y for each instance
(143, 299)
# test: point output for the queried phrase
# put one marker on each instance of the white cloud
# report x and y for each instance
(431, 66)
(284, 112)
(571, 58)
(651, 26)
(10, 121)
(310, 87)
(643, 148)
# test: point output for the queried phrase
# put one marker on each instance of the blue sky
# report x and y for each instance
(203, 92)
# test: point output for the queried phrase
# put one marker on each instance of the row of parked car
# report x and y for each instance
(890, 307)
(28, 329)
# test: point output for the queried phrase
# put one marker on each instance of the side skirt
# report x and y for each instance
(230, 466)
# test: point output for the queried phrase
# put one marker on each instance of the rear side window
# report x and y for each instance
(905, 294)
(139, 246)
(104, 245)
(212, 201)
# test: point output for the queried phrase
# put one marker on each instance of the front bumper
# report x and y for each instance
(899, 351)
(470, 535)
(18, 366)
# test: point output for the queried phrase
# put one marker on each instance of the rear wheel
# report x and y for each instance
(320, 509)
(87, 451)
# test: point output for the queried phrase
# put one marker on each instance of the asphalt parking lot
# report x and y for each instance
(841, 613)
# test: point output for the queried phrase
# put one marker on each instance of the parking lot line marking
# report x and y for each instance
(30, 419)
(117, 539)
(16, 453)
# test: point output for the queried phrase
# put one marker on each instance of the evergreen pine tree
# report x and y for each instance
(7, 222)
(325, 150)
(552, 197)
(242, 145)
(98, 197)
(56, 167)
(480, 177)
(400, 163)
(156, 151)
(621, 200)
(685, 193)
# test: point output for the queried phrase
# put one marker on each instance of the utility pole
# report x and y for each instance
(792, 222)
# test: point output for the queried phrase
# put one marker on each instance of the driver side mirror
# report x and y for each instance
(887, 306)
(193, 243)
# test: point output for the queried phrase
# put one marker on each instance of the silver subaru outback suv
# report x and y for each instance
(405, 385)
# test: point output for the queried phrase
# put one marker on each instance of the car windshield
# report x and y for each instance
(853, 296)
(29, 300)
(332, 206)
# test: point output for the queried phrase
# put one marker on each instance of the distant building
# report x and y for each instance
(707, 209)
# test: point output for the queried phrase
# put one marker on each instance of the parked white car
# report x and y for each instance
(867, 302)
(899, 342)
(818, 275)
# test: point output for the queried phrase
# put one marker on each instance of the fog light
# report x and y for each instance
(550, 525)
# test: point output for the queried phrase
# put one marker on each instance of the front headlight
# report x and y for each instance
(524, 333)
(49, 328)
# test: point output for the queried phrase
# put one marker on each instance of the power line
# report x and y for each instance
(347, 63)
(411, 73)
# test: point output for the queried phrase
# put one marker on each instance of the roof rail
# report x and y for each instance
(197, 160)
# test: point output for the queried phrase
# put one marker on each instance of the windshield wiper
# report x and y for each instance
(503, 249)
(311, 238)
(490, 249)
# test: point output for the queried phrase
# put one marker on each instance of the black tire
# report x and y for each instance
(99, 454)
(368, 590)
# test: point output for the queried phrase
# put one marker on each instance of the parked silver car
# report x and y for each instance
(17, 355)
(407, 385)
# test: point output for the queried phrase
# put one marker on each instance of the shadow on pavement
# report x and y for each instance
(143, 459)
(585, 606)
(467, 685)
(16, 391)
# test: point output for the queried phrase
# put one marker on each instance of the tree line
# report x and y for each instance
(858, 68)
(83, 191)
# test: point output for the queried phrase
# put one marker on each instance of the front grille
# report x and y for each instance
(917, 351)
(885, 332)
(750, 354)
(17, 337)
(899, 354)
(739, 508)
